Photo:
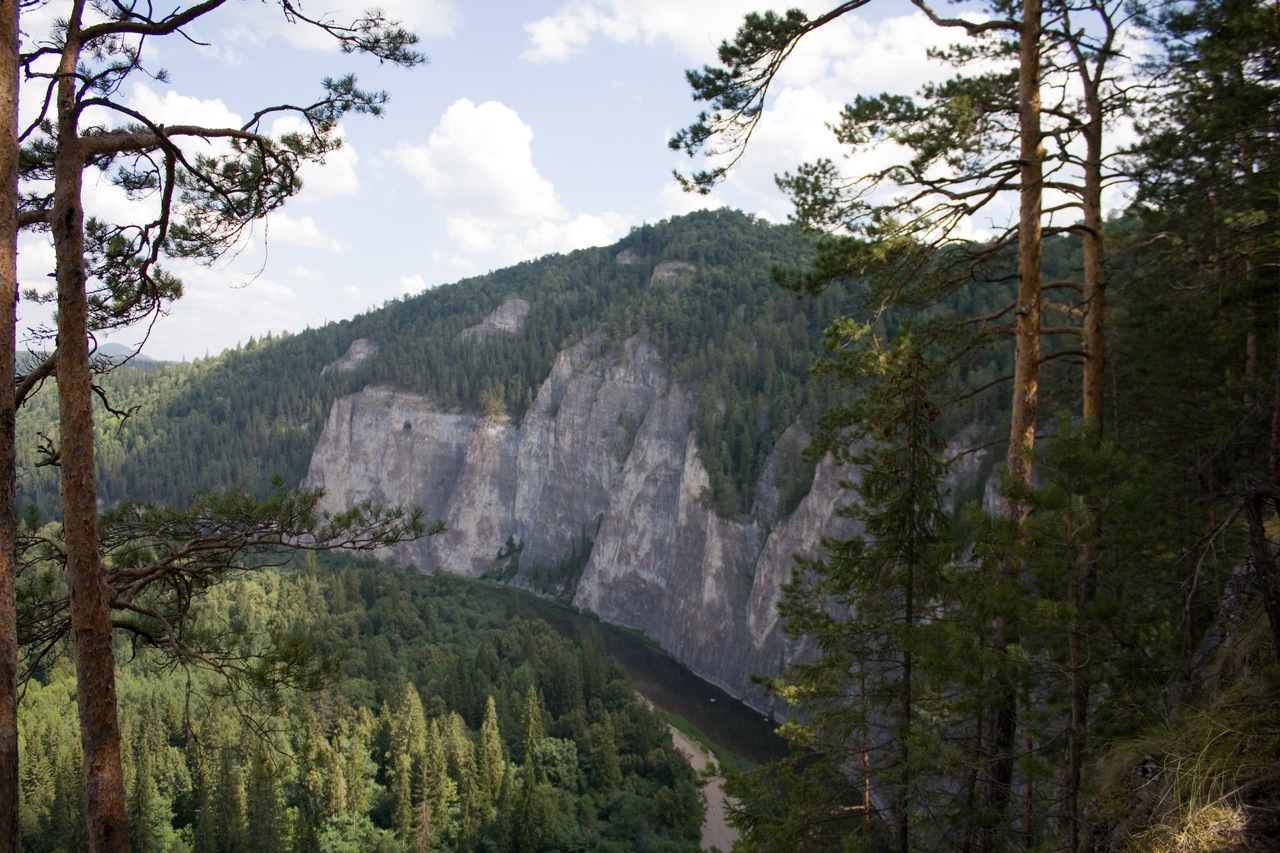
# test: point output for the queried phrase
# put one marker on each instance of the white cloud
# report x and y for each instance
(695, 29)
(222, 294)
(171, 108)
(300, 231)
(580, 232)
(478, 163)
(352, 292)
(852, 55)
(35, 265)
(423, 17)
(35, 262)
(109, 203)
(237, 45)
(255, 23)
(302, 273)
(459, 266)
(221, 306)
(231, 293)
(335, 176)
(676, 202)
(569, 31)
(410, 284)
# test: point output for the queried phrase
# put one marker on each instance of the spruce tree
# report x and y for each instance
(490, 756)
(877, 609)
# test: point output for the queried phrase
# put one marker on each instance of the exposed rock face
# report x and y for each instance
(600, 490)
(506, 319)
(359, 352)
(669, 272)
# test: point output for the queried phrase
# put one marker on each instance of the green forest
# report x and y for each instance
(251, 414)
(442, 717)
(1054, 624)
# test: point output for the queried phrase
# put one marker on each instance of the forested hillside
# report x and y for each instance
(257, 411)
(447, 720)
(719, 318)
(1049, 618)
(1190, 407)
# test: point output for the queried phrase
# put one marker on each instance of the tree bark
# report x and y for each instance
(1022, 428)
(8, 430)
(1083, 578)
(1095, 263)
(105, 813)
(1262, 550)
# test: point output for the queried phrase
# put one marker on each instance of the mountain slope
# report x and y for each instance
(597, 496)
(620, 426)
(714, 315)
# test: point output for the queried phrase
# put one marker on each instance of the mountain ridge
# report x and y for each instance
(621, 427)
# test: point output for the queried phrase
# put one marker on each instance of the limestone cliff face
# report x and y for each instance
(597, 496)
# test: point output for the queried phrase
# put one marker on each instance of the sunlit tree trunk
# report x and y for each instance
(1022, 431)
(105, 813)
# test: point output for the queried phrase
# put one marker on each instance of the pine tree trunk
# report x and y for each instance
(8, 430)
(1095, 266)
(1022, 431)
(1093, 394)
(1026, 376)
(91, 631)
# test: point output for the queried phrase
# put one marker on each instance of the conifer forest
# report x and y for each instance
(1049, 619)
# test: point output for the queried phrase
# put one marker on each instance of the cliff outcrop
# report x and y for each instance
(596, 497)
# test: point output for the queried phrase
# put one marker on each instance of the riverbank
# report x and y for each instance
(716, 832)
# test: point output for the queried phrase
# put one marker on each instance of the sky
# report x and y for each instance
(536, 127)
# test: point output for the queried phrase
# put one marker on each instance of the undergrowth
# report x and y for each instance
(1210, 783)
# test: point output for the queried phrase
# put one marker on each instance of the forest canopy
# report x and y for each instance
(452, 718)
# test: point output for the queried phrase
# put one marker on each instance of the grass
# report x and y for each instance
(1211, 781)
(729, 763)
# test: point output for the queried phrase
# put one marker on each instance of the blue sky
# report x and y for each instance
(536, 127)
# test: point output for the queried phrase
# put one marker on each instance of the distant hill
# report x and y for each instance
(120, 352)
(698, 288)
(115, 353)
(256, 412)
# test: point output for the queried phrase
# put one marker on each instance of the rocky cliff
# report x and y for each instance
(597, 497)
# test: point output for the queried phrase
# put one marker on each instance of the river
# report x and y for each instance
(659, 678)
(730, 724)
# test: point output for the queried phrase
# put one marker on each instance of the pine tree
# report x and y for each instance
(605, 765)
(970, 140)
(229, 811)
(108, 274)
(439, 790)
(534, 719)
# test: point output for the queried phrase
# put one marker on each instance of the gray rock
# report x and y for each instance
(601, 483)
